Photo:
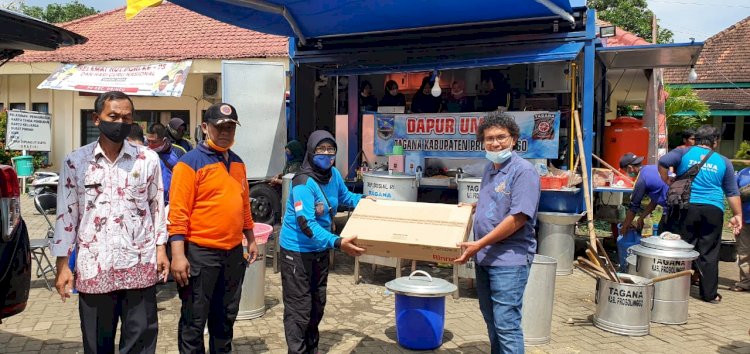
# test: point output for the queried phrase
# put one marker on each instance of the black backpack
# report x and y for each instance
(678, 195)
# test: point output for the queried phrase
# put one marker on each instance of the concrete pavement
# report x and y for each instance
(360, 319)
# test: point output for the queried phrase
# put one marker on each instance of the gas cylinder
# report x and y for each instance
(625, 134)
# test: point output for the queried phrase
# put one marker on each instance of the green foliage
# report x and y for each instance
(743, 153)
(683, 100)
(58, 13)
(631, 15)
(40, 158)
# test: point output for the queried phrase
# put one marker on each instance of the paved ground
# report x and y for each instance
(361, 319)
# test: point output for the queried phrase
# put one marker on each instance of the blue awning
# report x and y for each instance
(443, 60)
(322, 18)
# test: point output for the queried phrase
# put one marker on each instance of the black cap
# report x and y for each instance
(630, 159)
(220, 113)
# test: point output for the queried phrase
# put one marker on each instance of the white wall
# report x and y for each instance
(18, 82)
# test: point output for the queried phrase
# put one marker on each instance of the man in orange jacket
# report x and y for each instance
(209, 217)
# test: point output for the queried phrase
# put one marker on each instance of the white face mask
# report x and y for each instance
(393, 92)
(499, 157)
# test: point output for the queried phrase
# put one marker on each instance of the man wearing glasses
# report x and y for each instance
(111, 210)
(209, 217)
(504, 243)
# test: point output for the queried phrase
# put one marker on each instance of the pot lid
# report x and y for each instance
(469, 180)
(666, 246)
(384, 174)
(420, 286)
(667, 241)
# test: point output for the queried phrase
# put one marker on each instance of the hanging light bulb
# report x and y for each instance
(436, 91)
(692, 75)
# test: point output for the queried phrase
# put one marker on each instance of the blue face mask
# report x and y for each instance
(323, 161)
(499, 157)
(289, 156)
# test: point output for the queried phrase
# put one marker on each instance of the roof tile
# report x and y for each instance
(725, 57)
(166, 32)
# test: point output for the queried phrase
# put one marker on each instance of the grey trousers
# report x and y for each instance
(743, 257)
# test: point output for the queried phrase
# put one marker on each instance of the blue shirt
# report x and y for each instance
(167, 161)
(743, 179)
(509, 190)
(715, 179)
(307, 204)
(649, 183)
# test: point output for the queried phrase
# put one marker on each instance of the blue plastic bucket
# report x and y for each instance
(420, 321)
(24, 165)
(420, 310)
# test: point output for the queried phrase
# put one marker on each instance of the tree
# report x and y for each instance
(684, 109)
(58, 13)
(631, 15)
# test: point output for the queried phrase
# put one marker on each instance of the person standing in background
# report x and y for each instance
(701, 223)
(743, 239)
(176, 132)
(392, 97)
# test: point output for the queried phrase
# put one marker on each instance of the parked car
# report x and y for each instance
(18, 33)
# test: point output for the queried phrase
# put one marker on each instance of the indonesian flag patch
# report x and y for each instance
(298, 206)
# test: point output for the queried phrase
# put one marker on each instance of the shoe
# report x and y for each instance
(737, 289)
(717, 299)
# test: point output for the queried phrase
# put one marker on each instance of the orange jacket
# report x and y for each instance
(209, 201)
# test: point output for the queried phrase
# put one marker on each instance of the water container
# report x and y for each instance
(625, 134)
(631, 238)
(24, 165)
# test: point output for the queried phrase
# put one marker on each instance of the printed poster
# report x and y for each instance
(453, 135)
(28, 130)
(158, 79)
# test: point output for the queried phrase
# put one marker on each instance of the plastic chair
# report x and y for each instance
(45, 204)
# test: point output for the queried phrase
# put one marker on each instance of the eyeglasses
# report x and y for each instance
(499, 138)
(325, 150)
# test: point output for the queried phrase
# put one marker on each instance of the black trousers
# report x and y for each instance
(134, 308)
(212, 295)
(701, 226)
(304, 277)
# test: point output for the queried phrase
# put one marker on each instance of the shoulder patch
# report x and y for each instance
(298, 206)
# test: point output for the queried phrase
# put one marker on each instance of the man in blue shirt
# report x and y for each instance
(504, 242)
(168, 153)
(743, 239)
(176, 133)
(648, 182)
(701, 223)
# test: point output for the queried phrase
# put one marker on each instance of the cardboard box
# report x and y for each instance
(409, 230)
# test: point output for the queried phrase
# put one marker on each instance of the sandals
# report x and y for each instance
(717, 299)
(738, 289)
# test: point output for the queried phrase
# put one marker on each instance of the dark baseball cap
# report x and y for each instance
(630, 159)
(220, 113)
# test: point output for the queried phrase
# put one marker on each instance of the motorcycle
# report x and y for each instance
(44, 183)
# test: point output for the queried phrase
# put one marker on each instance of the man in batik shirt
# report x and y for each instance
(111, 210)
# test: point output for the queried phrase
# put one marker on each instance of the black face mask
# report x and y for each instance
(117, 132)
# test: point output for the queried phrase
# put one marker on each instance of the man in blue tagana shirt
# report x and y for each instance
(504, 242)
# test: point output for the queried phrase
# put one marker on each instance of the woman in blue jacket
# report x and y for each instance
(306, 237)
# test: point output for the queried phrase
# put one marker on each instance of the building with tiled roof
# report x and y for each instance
(164, 33)
(723, 69)
(622, 38)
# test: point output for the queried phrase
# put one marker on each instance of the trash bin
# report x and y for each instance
(420, 310)
(538, 299)
(24, 165)
(557, 238)
(253, 299)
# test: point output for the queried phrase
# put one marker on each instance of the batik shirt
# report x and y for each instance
(112, 212)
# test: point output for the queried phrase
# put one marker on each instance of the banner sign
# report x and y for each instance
(159, 79)
(28, 131)
(453, 135)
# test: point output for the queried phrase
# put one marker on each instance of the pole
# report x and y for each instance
(571, 138)
(654, 29)
(586, 189)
